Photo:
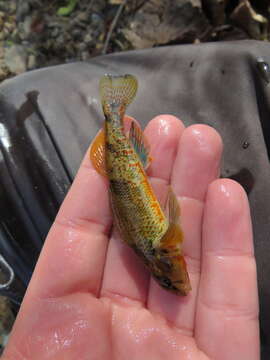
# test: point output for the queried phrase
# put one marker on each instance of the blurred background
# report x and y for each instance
(40, 33)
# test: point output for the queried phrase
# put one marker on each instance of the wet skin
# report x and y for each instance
(91, 298)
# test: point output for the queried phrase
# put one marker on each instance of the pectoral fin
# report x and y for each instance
(97, 153)
(140, 144)
(174, 235)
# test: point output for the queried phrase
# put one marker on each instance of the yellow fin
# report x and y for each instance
(97, 153)
(140, 144)
(173, 207)
(117, 90)
(172, 238)
(174, 234)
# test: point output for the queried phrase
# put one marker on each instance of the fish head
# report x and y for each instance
(169, 270)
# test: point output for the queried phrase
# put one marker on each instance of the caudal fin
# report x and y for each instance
(117, 90)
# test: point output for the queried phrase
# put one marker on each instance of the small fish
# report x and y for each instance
(141, 220)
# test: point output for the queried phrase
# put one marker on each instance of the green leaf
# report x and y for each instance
(66, 10)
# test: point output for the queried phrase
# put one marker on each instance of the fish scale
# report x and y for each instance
(135, 196)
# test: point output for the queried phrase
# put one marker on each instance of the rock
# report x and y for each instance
(12, 6)
(27, 26)
(55, 32)
(60, 39)
(15, 35)
(8, 26)
(4, 72)
(82, 17)
(16, 59)
(85, 56)
(88, 38)
(97, 23)
(23, 9)
(160, 22)
(32, 62)
(81, 47)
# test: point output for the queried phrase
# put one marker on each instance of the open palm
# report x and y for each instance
(91, 297)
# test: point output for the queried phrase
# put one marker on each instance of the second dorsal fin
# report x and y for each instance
(140, 144)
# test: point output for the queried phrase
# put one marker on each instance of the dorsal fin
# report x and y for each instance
(140, 144)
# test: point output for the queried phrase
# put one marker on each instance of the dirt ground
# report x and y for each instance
(38, 33)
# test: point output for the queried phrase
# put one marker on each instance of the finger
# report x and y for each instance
(197, 161)
(227, 313)
(125, 273)
(163, 132)
(73, 255)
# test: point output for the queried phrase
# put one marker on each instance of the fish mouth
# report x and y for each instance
(178, 287)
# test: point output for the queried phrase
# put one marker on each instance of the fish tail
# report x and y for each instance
(117, 91)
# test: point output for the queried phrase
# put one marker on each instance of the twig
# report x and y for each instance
(113, 24)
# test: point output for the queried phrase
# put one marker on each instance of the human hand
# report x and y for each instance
(90, 297)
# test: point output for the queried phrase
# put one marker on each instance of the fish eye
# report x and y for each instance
(165, 282)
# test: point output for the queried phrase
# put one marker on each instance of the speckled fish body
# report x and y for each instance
(134, 204)
(142, 222)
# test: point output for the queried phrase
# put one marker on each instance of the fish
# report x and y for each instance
(153, 231)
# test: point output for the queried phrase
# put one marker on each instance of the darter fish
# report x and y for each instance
(142, 222)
